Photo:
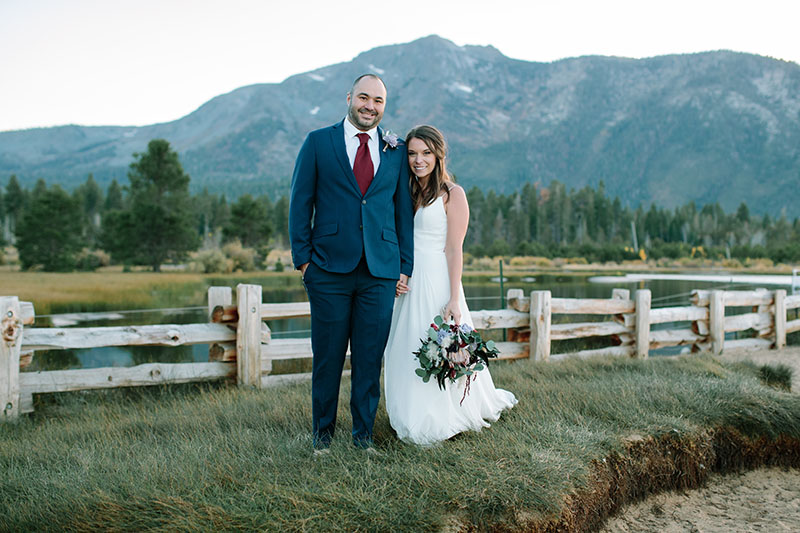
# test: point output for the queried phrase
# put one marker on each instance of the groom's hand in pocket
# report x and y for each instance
(402, 285)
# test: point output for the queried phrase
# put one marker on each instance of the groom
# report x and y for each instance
(350, 224)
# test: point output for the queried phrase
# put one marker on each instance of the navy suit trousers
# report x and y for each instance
(354, 307)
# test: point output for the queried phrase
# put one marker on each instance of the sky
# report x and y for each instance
(137, 62)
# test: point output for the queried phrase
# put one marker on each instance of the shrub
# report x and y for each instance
(528, 261)
(90, 260)
(486, 263)
(788, 253)
(244, 259)
(499, 248)
(731, 263)
(211, 262)
(275, 256)
(759, 263)
(9, 256)
(532, 249)
(672, 250)
(476, 250)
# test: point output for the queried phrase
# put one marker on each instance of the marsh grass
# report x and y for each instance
(112, 291)
(211, 457)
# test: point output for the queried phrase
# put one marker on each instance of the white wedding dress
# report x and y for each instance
(420, 412)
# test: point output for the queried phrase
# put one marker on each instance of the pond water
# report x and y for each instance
(482, 293)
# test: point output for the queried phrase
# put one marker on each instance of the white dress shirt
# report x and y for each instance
(352, 142)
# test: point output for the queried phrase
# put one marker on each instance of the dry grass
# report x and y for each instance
(116, 290)
(59, 292)
(585, 437)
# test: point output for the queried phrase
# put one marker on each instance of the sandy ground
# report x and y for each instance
(765, 500)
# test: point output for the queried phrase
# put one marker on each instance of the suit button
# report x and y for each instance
(363, 202)
(360, 226)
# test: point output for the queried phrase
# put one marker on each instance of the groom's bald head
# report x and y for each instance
(371, 76)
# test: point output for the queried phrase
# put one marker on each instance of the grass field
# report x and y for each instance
(215, 457)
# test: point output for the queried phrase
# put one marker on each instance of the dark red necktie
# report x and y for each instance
(362, 166)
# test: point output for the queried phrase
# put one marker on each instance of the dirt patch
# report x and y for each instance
(672, 462)
(717, 481)
(762, 500)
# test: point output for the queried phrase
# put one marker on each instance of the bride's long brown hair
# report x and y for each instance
(439, 178)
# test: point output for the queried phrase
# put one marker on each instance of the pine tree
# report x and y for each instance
(158, 223)
(280, 220)
(90, 198)
(249, 222)
(15, 200)
(114, 198)
(50, 232)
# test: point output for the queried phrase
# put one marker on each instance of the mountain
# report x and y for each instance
(710, 127)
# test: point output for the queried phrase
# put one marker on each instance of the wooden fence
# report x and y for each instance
(241, 347)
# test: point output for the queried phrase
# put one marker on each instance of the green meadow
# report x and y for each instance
(586, 437)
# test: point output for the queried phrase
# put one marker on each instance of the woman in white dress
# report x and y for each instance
(420, 412)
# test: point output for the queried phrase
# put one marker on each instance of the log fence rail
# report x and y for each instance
(241, 346)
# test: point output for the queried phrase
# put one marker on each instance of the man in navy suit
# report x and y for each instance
(351, 228)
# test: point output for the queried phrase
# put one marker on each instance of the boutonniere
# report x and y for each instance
(390, 139)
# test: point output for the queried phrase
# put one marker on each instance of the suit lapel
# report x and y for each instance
(384, 157)
(337, 137)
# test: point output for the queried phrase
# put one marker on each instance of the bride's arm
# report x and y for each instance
(457, 221)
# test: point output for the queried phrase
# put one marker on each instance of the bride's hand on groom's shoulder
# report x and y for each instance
(402, 285)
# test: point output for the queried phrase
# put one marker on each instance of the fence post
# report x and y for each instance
(248, 335)
(642, 323)
(220, 298)
(9, 357)
(540, 325)
(764, 308)
(780, 319)
(620, 294)
(716, 317)
(515, 300)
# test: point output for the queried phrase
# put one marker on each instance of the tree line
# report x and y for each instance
(154, 219)
(151, 220)
(553, 222)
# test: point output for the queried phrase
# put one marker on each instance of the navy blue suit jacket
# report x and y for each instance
(333, 225)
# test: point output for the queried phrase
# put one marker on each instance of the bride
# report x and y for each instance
(420, 412)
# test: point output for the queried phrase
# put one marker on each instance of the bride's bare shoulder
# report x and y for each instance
(455, 200)
(456, 191)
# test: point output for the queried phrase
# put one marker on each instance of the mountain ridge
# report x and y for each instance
(707, 127)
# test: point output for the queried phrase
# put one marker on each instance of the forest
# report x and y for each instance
(154, 219)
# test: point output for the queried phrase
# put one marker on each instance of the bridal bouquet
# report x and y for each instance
(452, 351)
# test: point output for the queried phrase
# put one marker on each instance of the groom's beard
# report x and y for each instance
(358, 120)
